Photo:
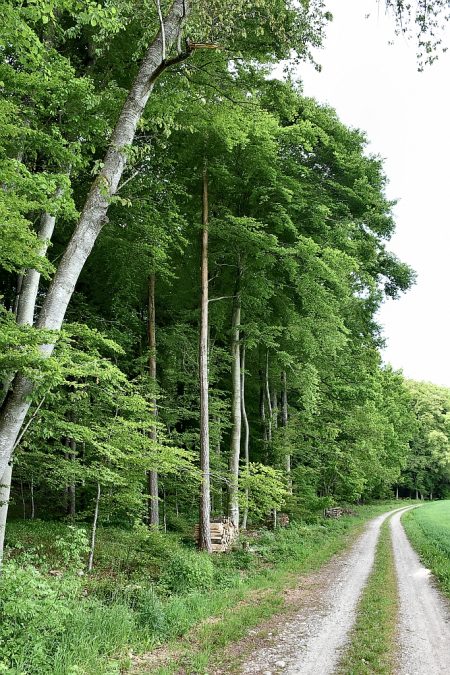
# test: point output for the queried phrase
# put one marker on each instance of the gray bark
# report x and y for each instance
(153, 510)
(33, 509)
(5, 489)
(204, 541)
(236, 413)
(284, 423)
(94, 529)
(71, 489)
(92, 219)
(268, 401)
(30, 283)
(246, 433)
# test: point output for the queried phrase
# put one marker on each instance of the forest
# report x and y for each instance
(192, 258)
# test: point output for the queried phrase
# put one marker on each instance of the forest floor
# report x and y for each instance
(349, 617)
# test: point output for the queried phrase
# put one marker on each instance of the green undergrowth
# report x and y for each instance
(372, 643)
(428, 530)
(148, 589)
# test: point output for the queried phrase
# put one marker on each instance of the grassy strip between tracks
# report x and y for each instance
(372, 641)
(204, 648)
(428, 530)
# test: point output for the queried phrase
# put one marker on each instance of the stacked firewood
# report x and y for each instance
(223, 534)
(335, 512)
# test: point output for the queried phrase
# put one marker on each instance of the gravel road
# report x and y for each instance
(311, 643)
(424, 628)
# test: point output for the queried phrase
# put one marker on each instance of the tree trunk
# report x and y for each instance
(274, 409)
(204, 541)
(33, 509)
(262, 407)
(284, 423)
(153, 505)
(71, 487)
(94, 529)
(396, 492)
(268, 401)
(30, 284)
(246, 433)
(5, 489)
(92, 219)
(236, 411)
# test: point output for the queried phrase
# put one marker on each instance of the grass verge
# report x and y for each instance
(428, 530)
(372, 640)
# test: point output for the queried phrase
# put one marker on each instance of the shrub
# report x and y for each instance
(188, 571)
(33, 610)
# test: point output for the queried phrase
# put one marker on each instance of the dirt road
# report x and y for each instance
(311, 642)
(424, 622)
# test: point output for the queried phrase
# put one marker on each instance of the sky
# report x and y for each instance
(375, 86)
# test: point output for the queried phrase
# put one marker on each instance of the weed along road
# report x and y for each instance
(315, 640)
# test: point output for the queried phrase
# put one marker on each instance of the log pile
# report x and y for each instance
(335, 512)
(223, 534)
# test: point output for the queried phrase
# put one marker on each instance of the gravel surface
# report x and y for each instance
(424, 628)
(311, 643)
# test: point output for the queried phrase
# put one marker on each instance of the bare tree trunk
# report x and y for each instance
(236, 412)
(164, 510)
(5, 490)
(30, 284)
(204, 541)
(284, 423)
(92, 219)
(274, 409)
(71, 490)
(153, 506)
(94, 529)
(268, 401)
(33, 509)
(396, 492)
(246, 433)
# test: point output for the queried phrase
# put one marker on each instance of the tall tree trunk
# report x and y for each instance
(30, 283)
(153, 506)
(92, 219)
(71, 487)
(33, 507)
(94, 529)
(284, 423)
(236, 410)
(246, 433)
(5, 489)
(262, 406)
(274, 409)
(204, 541)
(268, 400)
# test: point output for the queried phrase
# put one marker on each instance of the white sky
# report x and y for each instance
(375, 86)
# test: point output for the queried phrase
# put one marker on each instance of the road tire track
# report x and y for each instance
(424, 621)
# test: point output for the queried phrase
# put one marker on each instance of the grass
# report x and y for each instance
(132, 603)
(428, 530)
(372, 640)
